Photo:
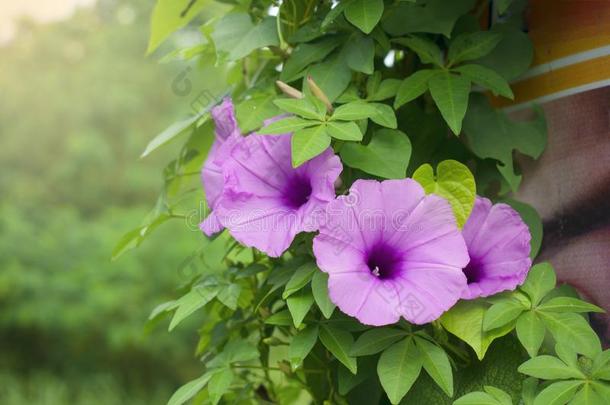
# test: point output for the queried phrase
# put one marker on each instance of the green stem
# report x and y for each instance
(278, 25)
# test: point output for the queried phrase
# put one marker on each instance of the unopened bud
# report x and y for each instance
(319, 94)
(288, 90)
(272, 341)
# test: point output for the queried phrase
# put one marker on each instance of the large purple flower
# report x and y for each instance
(391, 251)
(499, 246)
(227, 135)
(254, 191)
(266, 201)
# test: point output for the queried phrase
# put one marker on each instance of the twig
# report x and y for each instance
(188, 8)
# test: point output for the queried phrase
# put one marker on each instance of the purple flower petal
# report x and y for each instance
(225, 120)
(211, 225)
(499, 246)
(265, 201)
(391, 251)
(367, 298)
(227, 135)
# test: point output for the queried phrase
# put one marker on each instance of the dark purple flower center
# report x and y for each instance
(297, 192)
(384, 261)
(473, 271)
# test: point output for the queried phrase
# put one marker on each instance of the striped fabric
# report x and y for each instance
(571, 51)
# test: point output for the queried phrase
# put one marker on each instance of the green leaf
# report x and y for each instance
(387, 89)
(308, 143)
(502, 5)
(135, 237)
(601, 365)
(299, 279)
(549, 368)
(163, 308)
(375, 340)
(360, 54)
(373, 83)
(436, 363)
(356, 110)
(539, 282)
(501, 396)
(465, 320)
(302, 107)
(487, 78)
(529, 390)
(601, 388)
(339, 342)
(567, 355)
(219, 385)
(435, 17)
(476, 398)
(588, 396)
(306, 54)
(512, 56)
(167, 17)
(530, 332)
(189, 390)
(253, 112)
(319, 287)
(382, 39)
(235, 36)
(398, 368)
(346, 381)
(473, 45)
(386, 155)
(384, 116)
(450, 93)
(453, 181)
(191, 302)
(299, 304)
(286, 125)
(332, 15)
(173, 131)
(491, 134)
(558, 393)
(572, 331)
(318, 103)
(502, 313)
(364, 14)
(568, 304)
(229, 295)
(413, 86)
(332, 76)
(282, 318)
(346, 131)
(514, 295)
(301, 345)
(236, 350)
(427, 50)
(345, 322)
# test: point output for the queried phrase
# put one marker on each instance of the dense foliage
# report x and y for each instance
(397, 89)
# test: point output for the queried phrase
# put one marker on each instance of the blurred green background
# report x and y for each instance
(79, 101)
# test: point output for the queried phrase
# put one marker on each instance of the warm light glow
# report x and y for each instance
(47, 11)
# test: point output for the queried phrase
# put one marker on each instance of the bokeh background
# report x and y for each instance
(79, 101)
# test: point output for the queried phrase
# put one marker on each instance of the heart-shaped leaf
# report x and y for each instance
(387, 154)
(453, 181)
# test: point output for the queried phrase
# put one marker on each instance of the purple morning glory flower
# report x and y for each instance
(391, 251)
(499, 246)
(227, 135)
(255, 192)
(266, 201)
